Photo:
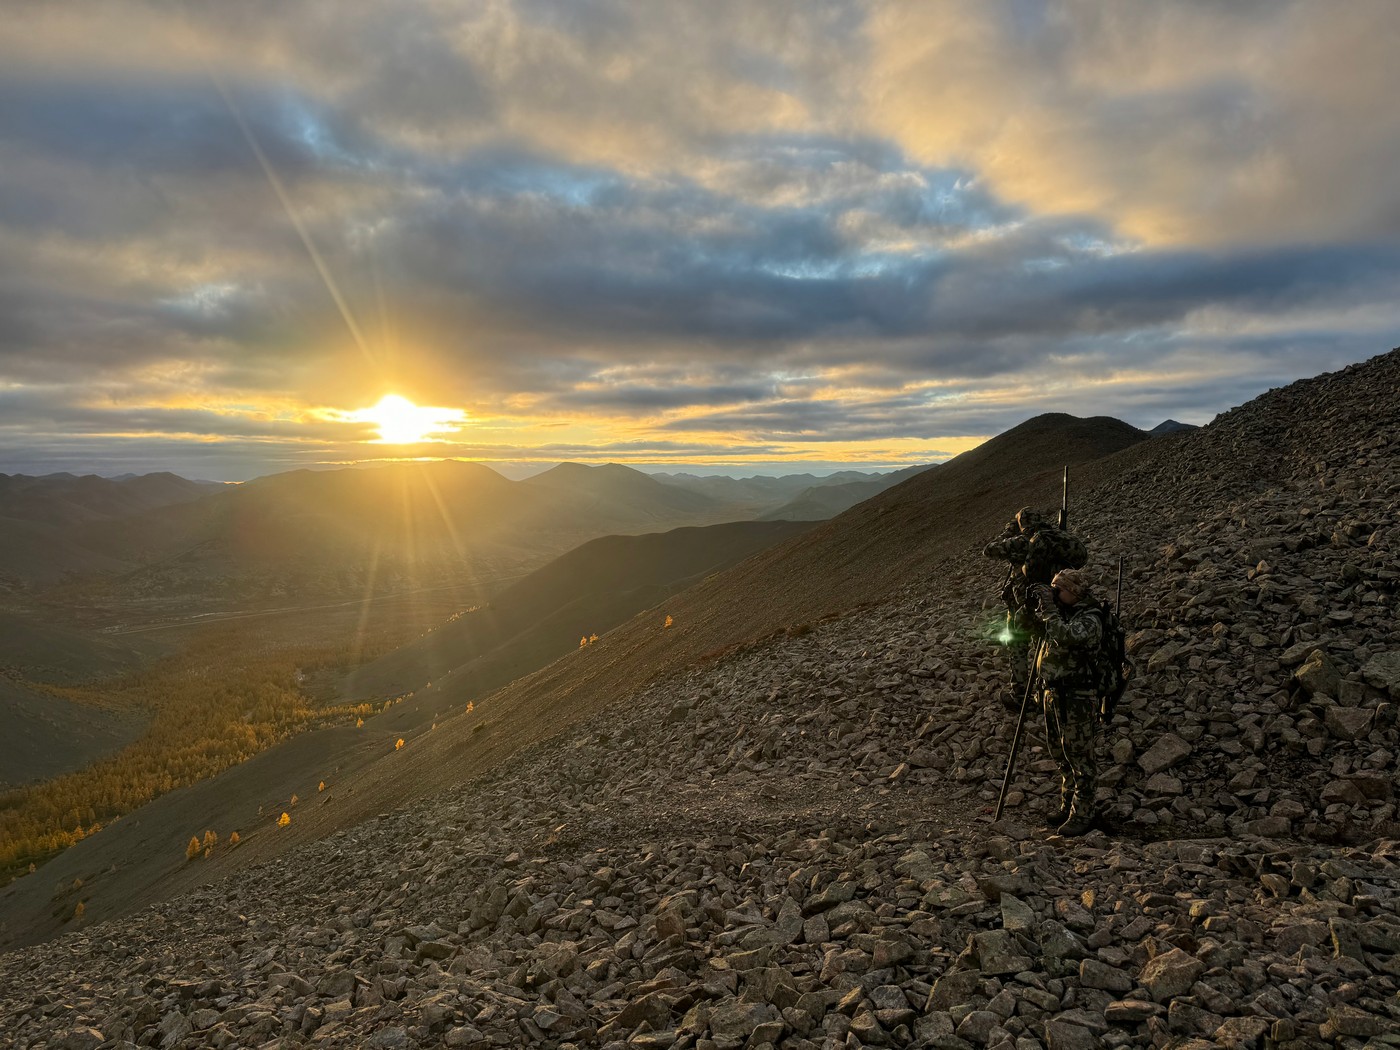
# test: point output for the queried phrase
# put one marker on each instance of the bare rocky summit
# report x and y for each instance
(788, 844)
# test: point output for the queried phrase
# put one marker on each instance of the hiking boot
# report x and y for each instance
(1011, 701)
(1060, 815)
(1077, 824)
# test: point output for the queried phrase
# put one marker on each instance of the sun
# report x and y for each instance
(401, 422)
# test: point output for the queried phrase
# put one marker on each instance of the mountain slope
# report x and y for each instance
(57, 500)
(44, 652)
(863, 556)
(541, 617)
(920, 540)
(1169, 426)
(760, 494)
(788, 841)
(46, 736)
(44, 522)
(819, 502)
(615, 489)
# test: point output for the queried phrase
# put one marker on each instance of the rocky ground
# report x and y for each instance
(791, 846)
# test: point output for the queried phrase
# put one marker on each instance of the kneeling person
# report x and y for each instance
(1068, 674)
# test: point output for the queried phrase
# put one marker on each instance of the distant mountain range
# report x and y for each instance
(800, 497)
(355, 532)
(66, 499)
(826, 500)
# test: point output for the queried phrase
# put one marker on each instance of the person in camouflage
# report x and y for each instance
(1036, 550)
(1073, 630)
(1013, 546)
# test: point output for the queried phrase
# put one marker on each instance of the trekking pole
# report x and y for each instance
(1107, 703)
(1016, 739)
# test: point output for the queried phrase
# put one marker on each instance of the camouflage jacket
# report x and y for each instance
(1009, 548)
(1013, 548)
(1071, 651)
(1038, 555)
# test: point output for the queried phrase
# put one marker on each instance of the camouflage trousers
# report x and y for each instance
(1018, 651)
(1071, 729)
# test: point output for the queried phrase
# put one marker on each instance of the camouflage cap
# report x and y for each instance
(1076, 580)
(1028, 518)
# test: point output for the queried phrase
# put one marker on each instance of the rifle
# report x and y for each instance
(1031, 679)
(1008, 591)
(1064, 502)
(1107, 703)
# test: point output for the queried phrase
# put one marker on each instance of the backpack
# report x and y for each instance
(1112, 669)
(1051, 550)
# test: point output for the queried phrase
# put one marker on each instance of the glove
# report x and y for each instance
(1044, 599)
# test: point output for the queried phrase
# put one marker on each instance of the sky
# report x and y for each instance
(738, 235)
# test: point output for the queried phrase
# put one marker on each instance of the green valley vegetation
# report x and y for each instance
(234, 690)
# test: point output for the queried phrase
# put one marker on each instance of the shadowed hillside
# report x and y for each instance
(44, 652)
(43, 522)
(819, 502)
(46, 736)
(541, 617)
(622, 492)
(57, 500)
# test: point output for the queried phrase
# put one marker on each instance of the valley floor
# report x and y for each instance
(788, 848)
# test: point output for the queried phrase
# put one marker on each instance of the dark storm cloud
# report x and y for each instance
(582, 252)
(784, 287)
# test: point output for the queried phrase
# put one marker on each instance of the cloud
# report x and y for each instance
(832, 225)
(1191, 122)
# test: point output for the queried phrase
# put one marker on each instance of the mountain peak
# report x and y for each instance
(1170, 426)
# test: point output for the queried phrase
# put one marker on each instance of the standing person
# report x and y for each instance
(1068, 668)
(1036, 550)
(1013, 546)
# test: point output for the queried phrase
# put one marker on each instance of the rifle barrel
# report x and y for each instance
(1064, 500)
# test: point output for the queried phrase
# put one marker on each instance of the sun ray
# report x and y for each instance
(321, 268)
(371, 579)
